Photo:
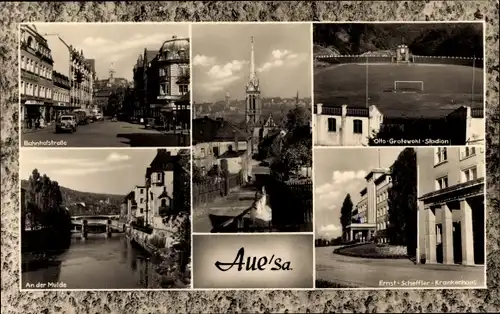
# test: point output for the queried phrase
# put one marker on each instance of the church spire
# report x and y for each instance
(252, 62)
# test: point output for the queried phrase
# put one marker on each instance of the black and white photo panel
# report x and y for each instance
(105, 219)
(398, 84)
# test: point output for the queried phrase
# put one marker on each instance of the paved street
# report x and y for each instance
(366, 272)
(106, 134)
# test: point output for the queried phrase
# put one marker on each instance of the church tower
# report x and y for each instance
(253, 107)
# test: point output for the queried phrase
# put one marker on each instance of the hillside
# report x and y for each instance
(462, 40)
(95, 203)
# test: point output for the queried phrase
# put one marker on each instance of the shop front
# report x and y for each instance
(31, 112)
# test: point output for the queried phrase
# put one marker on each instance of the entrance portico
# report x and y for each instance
(454, 224)
(360, 231)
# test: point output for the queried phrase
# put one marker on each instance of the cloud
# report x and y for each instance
(329, 196)
(89, 170)
(98, 46)
(204, 61)
(227, 70)
(85, 166)
(219, 85)
(117, 157)
(282, 58)
(329, 231)
(220, 76)
(341, 177)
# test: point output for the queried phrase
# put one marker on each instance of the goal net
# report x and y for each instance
(409, 86)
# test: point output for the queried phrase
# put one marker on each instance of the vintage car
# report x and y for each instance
(66, 122)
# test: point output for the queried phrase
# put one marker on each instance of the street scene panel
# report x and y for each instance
(452, 208)
(105, 85)
(252, 133)
(368, 232)
(105, 219)
(401, 84)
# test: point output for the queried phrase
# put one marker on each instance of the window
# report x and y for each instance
(141, 200)
(22, 88)
(230, 147)
(469, 174)
(216, 151)
(162, 72)
(183, 88)
(467, 152)
(332, 125)
(158, 176)
(35, 91)
(441, 155)
(23, 62)
(163, 203)
(36, 68)
(202, 153)
(142, 210)
(165, 89)
(442, 183)
(141, 191)
(358, 126)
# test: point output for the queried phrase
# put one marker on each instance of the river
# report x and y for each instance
(97, 263)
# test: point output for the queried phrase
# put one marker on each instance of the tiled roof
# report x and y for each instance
(210, 130)
(163, 161)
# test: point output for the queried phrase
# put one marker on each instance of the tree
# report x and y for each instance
(346, 212)
(402, 200)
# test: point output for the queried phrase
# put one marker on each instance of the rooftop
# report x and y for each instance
(216, 130)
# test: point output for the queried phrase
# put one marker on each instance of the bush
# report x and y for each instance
(158, 241)
(320, 283)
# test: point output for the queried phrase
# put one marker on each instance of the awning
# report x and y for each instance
(34, 103)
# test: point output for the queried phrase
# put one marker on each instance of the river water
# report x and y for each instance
(97, 263)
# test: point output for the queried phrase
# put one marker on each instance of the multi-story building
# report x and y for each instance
(218, 140)
(81, 81)
(61, 92)
(370, 217)
(140, 200)
(344, 126)
(451, 205)
(139, 87)
(131, 205)
(162, 80)
(36, 78)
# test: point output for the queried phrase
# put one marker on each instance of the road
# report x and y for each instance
(366, 272)
(105, 134)
(97, 263)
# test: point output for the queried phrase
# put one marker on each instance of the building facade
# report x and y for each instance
(140, 200)
(82, 80)
(344, 126)
(451, 205)
(36, 78)
(218, 140)
(61, 92)
(370, 215)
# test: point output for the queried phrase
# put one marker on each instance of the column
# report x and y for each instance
(350, 235)
(430, 237)
(447, 234)
(466, 233)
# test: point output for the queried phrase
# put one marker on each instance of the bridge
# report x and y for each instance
(97, 224)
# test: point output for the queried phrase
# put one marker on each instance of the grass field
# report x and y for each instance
(446, 87)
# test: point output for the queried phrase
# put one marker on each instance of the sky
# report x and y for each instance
(221, 57)
(108, 43)
(338, 172)
(110, 171)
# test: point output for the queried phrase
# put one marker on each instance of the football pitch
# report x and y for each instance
(445, 88)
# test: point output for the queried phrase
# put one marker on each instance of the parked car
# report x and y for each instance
(81, 117)
(98, 116)
(66, 122)
(150, 123)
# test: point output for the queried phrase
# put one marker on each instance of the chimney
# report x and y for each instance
(235, 141)
(174, 37)
(319, 108)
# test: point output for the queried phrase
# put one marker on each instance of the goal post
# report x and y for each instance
(408, 86)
